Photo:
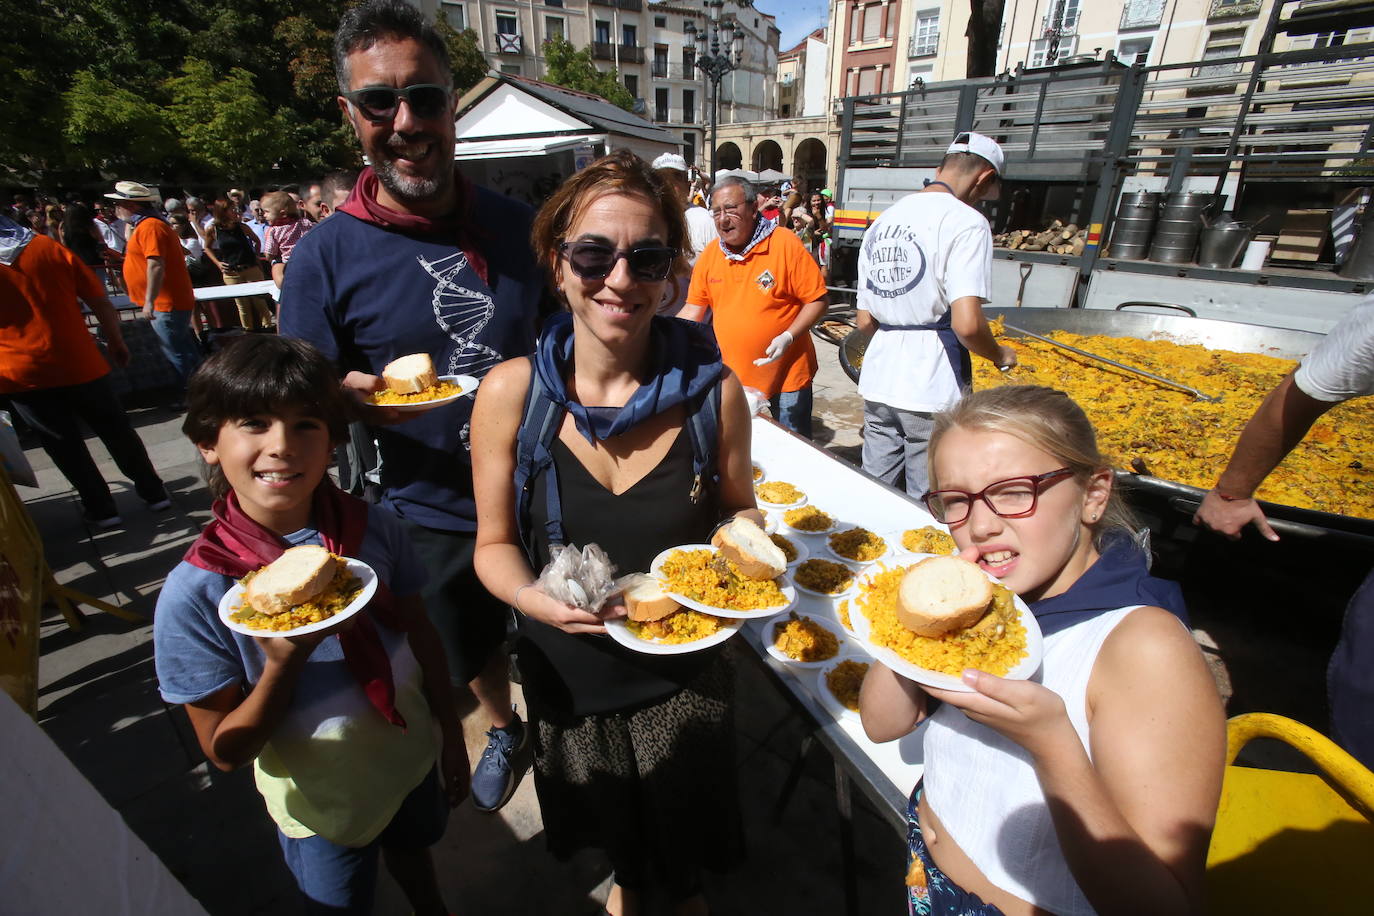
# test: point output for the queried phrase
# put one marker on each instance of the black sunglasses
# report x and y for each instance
(379, 103)
(594, 261)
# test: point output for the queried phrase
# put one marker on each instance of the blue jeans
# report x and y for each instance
(179, 344)
(793, 410)
(343, 879)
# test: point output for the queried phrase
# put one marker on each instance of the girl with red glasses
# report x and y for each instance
(1093, 786)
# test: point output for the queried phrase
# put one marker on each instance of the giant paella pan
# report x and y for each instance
(1166, 443)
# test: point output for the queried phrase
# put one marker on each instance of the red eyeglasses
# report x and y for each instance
(1015, 497)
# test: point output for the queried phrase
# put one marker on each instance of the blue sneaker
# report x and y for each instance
(498, 772)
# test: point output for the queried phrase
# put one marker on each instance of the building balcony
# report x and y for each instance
(633, 6)
(923, 45)
(675, 116)
(626, 54)
(507, 43)
(1142, 14)
(1228, 9)
(1066, 24)
(660, 70)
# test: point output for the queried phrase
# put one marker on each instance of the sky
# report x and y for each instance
(796, 18)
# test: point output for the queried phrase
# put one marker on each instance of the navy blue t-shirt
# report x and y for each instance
(366, 295)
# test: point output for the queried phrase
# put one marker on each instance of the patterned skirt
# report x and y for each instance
(930, 892)
(654, 787)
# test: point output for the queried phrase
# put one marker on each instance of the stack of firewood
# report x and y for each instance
(1057, 239)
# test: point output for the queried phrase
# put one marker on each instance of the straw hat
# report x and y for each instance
(133, 192)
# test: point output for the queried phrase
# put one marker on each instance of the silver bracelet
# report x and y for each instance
(516, 600)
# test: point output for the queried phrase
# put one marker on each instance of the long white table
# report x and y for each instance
(886, 773)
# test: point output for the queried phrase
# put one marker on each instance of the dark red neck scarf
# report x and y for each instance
(458, 226)
(234, 545)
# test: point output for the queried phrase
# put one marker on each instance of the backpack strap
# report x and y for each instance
(534, 456)
(703, 428)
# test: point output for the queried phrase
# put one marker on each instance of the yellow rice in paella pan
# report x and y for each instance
(1175, 437)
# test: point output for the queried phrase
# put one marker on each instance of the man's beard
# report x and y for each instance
(407, 188)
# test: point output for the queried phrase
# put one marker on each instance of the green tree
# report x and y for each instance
(567, 66)
(464, 54)
(310, 58)
(115, 129)
(224, 125)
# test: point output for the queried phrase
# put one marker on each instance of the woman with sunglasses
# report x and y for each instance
(632, 751)
(1093, 786)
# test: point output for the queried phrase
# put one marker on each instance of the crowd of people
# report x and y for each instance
(624, 335)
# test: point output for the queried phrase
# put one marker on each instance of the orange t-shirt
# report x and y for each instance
(756, 299)
(44, 341)
(154, 238)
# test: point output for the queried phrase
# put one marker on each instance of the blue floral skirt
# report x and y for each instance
(930, 892)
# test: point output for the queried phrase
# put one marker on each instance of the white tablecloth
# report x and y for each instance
(852, 499)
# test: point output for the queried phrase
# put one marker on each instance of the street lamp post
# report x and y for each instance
(724, 48)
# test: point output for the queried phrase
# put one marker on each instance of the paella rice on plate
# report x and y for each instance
(858, 544)
(779, 492)
(844, 681)
(994, 644)
(708, 578)
(808, 518)
(339, 594)
(679, 627)
(842, 612)
(824, 576)
(789, 550)
(804, 640)
(432, 393)
(928, 540)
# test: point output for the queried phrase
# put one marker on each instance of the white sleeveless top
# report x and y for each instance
(984, 790)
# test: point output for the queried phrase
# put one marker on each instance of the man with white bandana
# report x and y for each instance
(765, 291)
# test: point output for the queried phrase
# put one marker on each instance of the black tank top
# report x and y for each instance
(233, 248)
(584, 674)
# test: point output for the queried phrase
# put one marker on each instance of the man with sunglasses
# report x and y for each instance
(418, 260)
(765, 291)
(925, 270)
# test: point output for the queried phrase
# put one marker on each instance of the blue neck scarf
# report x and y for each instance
(685, 362)
(1119, 578)
(144, 212)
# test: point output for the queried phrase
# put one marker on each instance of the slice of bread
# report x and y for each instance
(645, 600)
(410, 374)
(942, 594)
(293, 578)
(753, 552)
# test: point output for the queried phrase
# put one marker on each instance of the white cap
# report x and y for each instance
(671, 161)
(979, 145)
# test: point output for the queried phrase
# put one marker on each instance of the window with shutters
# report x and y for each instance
(1141, 14)
(926, 39)
(1063, 15)
(1222, 43)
